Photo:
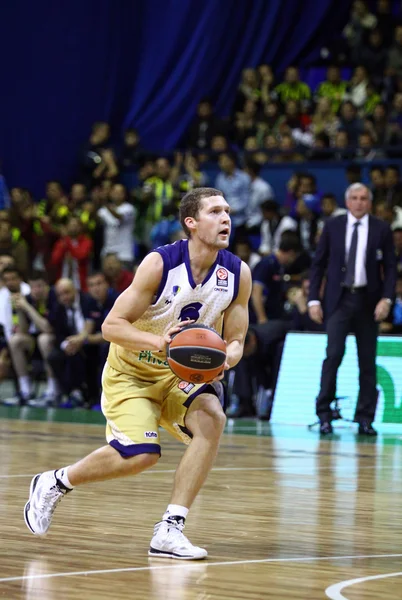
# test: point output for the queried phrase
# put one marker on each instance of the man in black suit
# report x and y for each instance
(356, 252)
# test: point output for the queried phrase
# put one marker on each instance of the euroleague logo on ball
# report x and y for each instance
(222, 278)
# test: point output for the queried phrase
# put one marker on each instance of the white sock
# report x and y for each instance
(175, 510)
(62, 475)
(25, 385)
(52, 388)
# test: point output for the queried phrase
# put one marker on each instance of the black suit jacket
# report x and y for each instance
(330, 257)
(59, 320)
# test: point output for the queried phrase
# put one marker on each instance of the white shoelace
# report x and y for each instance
(50, 500)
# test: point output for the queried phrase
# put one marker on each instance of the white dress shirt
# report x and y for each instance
(362, 235)
(118, 233)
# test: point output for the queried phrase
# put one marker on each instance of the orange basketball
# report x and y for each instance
(196, 354)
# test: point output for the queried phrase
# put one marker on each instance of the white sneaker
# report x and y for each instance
(44, 495)
(169, 541)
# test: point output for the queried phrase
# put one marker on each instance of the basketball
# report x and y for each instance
(196, 354)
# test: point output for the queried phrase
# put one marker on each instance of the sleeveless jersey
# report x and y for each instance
(180, 298)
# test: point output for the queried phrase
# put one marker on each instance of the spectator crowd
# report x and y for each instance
(65, 258)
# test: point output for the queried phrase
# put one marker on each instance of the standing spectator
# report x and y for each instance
(71, 254)
(73, 320)
(268, 285)
(159, 190)
(98, 160)
(260, 191)
(249, 89)
(273, 226)
(385, 20)
(361, 21)
(358, 295)
(117, 277)
(235, 186)
(118, 217)
(132, 154)
(293, 89)
(204, 127)
(394, 64)
(78, 195)
(267, 82)
(333, 88)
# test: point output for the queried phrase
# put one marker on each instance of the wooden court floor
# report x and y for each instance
(284, 515)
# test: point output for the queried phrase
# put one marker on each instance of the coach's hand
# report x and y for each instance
(167, 338)
(382, 310)
(315, 313)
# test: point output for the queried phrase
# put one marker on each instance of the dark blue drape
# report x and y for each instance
(143, 63)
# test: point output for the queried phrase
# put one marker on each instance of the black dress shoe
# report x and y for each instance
(366, 428)
(326, 428)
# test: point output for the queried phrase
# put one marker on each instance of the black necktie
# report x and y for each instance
(351, 264)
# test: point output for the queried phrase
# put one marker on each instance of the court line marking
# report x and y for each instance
(278, 469)
(191, 565)
(334, 591)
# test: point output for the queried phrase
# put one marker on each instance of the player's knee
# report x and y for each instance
(211, 416)
(146, 461)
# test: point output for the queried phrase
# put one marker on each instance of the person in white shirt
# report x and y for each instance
(260, 191)
(118, 217)
(273, 226)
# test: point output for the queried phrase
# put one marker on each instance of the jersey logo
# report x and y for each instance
(185, 386)
(190, 312)
(222, 278)
(176, 290)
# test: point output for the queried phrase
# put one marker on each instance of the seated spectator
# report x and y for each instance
(361, 21)
(300, 318)
(394, 63)
(98, 161)
(190, 175)
(245, 122)
(300, 185)
(390, 214)
(205, 127)
(273, 226)
(73, 319)
(373, 98)
(118, 217)
(330, 208)
(393, 185)
(288, 151)
(162, 233)
(396, 315)
(397, 235)
(377, 125)
(268, 285)
(353, 173)
(267, 82)
(269, 122)
(321, 149)
(293, 89)
(356, 91)
(292, 116)
(243, 249)
(372, 55)
(78, 195)
(350, 122)
(12, 243)
(333, 88)
(396, 111)
(235, 186)
(33, 337)
(249, 89)
(366, 149)
(71, 254)
(342, 145)
(117, 277)
(219, 143)
(98, 348)
(132, 155)
(307, 222)
(324, 120)
(260, 191)
(378, 188)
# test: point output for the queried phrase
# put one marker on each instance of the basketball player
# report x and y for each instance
(190, 280)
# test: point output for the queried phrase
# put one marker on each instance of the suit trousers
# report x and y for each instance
(354, 314)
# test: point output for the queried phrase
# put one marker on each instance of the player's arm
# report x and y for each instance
(132, 304)
(235, 321)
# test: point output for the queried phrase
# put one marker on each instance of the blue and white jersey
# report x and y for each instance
(179, 298)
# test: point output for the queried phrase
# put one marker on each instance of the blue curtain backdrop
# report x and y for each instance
(142, 63)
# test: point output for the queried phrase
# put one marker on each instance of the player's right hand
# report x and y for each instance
(167, 338)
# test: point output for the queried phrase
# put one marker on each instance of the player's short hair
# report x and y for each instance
(191, 203)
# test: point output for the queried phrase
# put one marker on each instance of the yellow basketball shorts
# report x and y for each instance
(135, 409)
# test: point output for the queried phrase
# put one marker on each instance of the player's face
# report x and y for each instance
(213, 222)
